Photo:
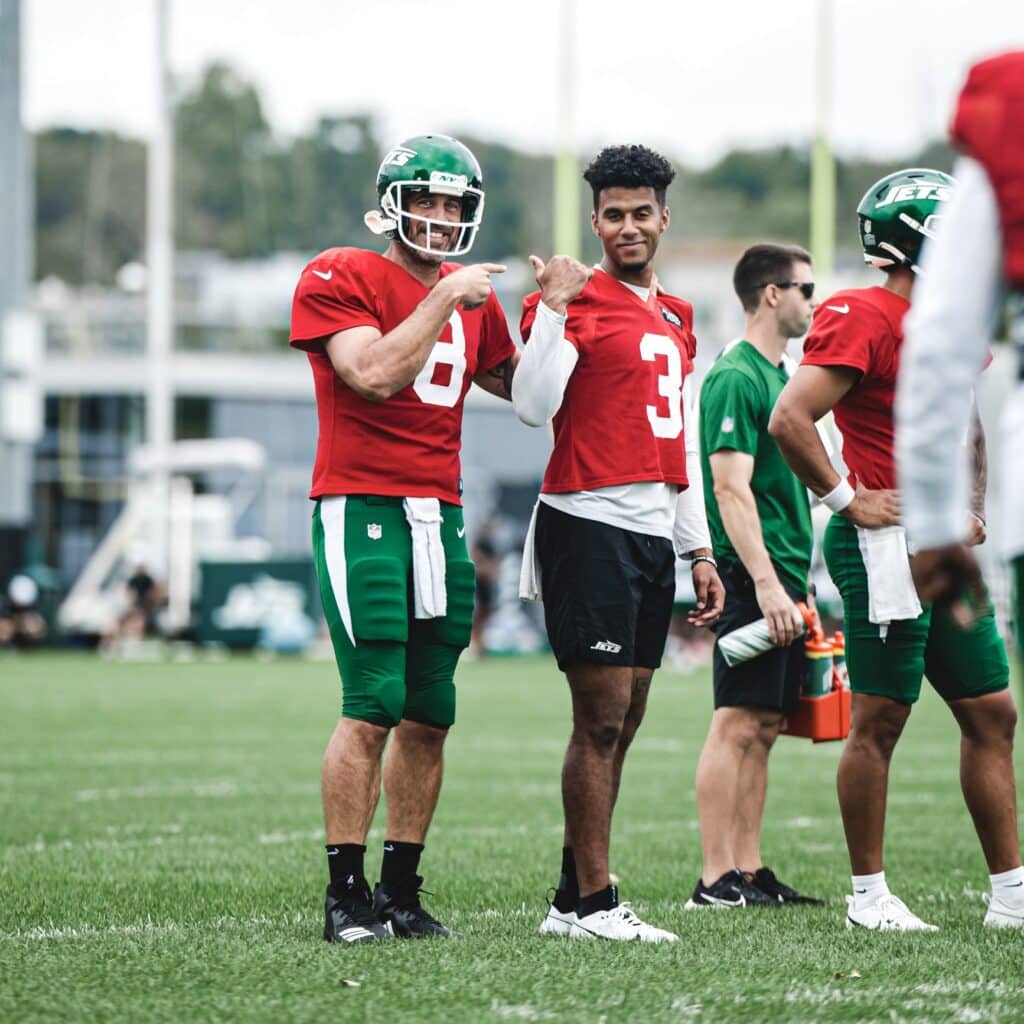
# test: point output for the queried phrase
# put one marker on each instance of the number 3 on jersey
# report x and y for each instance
(670, 385)
(444, 353)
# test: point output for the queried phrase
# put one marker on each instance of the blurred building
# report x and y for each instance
(232, 375)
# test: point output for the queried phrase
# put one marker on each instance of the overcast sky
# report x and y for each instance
(694, 78)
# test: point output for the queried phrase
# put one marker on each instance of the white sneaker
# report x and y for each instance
(558, 922)
(887, 914)
(619, 923)
(1002, 914)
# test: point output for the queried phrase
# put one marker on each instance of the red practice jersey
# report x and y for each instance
(862, 328)
(408, 445)
(621, 419)
(989, 126)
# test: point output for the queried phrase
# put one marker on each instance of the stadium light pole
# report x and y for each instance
(160, 286)
(567, 190)
(823, 167)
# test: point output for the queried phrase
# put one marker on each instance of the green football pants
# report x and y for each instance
(392, 665)
(958, 663)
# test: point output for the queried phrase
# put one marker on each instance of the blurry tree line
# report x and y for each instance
(243, 191)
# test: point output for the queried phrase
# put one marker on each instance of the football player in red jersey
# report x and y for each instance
(394, 341)
(607, 356)
(850, 364)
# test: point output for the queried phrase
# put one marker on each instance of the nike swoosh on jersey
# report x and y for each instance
(460, 530)
(844, 308)
(326, 276)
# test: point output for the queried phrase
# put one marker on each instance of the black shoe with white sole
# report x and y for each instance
(765, 880)
(730, 892)
(350, 918)
(398, 906)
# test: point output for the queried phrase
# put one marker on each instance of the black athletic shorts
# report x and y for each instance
(608, 592)
(771, 680)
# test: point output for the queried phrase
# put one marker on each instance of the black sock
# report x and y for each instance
(567, 895)
(400, 861)
(603, 899)
(345, 862)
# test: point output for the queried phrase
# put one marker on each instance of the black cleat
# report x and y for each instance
(351, 918)
(731, 891)
(765, 880)
(398, 908)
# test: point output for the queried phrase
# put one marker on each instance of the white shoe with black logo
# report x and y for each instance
(619, 924)
(1001, 914)
(887, 914)
(557, 922)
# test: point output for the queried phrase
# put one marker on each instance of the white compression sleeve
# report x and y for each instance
(544, 369)
(948, 331)
(690, 530)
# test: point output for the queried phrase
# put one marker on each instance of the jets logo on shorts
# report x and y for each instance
(374, 531)
(607, 646)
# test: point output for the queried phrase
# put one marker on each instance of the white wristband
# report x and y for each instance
(839, 497)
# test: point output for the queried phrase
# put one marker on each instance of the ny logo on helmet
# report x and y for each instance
(906, 193)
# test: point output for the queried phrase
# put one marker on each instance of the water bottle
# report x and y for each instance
(752, 639)
(817, 665)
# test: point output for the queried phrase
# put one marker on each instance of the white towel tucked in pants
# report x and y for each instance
(529, 573)
(430, 598)
(892, 596)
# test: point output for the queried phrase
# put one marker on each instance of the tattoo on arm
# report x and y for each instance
(504, 372)
(979, 467)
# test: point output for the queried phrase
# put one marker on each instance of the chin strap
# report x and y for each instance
(377, 223)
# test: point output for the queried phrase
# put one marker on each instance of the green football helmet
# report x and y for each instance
(437, 164)
(899, 212)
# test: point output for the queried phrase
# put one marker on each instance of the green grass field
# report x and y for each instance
(161, 858)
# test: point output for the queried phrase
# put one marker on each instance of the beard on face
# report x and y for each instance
(418, 232)
(633, 263)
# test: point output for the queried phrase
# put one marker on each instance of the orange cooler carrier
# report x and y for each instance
(824, 710)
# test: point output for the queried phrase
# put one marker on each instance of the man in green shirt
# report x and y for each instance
(760, 521)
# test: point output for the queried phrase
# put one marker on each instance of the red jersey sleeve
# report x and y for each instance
(332, 295)
(842, 334)
(579, 323)
(496, 344)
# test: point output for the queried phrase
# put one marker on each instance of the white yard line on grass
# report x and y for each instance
(523, 1011)
(57, 845)
(150, 927)
(148, 755)
(213, 789)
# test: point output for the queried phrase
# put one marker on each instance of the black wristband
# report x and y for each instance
(702, 558)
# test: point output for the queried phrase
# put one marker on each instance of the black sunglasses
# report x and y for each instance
(806, 287)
